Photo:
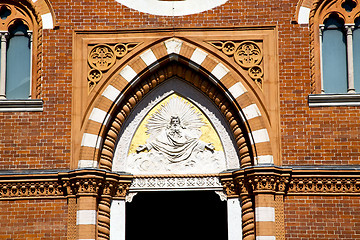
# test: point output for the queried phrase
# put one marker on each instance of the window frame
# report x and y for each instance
(22, 11)
(320, 12)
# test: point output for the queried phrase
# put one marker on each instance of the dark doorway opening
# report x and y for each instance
(176, 215)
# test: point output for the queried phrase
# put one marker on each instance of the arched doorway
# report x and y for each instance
(175, 163)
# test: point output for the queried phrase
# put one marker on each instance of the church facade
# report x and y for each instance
(182, 119)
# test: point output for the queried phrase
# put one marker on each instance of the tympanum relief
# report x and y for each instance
(175, 137)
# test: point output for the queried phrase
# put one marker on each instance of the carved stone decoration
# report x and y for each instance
(30, 189)
(174, 144)
(140, 90)
(247, 54)
(175, 182)
(102, 57)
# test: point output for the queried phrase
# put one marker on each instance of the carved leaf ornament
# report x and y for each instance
(102, 57)
(247, 54)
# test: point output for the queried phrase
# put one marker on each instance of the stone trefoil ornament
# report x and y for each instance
(102, 57)
(247, 54)
(174, 144)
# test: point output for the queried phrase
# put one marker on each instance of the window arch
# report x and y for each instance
(19, 31)
(335, 46)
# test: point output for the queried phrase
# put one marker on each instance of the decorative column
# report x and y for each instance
(30, 34)
(350, 59)
(4, 36)
(266, 184)
(321, 29)
(240, 222)
(93, 190)
(263, 187)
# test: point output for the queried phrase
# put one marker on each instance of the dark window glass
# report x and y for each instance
(334, 56)
(18, 63)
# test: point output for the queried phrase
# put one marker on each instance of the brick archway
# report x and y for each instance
(174, 57)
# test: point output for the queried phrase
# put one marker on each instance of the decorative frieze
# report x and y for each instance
(65, 184)
(247, 54)
(291, 182)
(324, 185)
(175, 182)
(102, 57)
(30, 189)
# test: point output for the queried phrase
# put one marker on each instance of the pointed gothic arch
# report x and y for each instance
(174, 57)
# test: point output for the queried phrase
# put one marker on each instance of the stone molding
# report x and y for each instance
(63, 184)
(176, 182)
(276, 180)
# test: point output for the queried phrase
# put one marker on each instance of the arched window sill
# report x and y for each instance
(23, 105)
(333, 100)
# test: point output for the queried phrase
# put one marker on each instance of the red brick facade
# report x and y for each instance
(299, 135)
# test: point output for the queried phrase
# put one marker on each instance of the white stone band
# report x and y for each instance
(198, 56)
(91, 140)
(251, 111)
(265, 238)
(47, 21)
(260, 136)
(265, 214)
(219, 71)
(87, 164)
(237, 90)
(128, 73)
(148, 57)
(111, 93)
(98, 115)
(86, 217)
(265, 159)
(173, 45)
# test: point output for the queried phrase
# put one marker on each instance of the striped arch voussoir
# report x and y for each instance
(144, 72)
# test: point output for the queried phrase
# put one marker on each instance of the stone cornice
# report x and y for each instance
(277, 180)
(64, 184)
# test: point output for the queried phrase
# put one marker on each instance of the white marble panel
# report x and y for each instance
(265, 214)
(86, 217)
(237, 90)
(111, 93)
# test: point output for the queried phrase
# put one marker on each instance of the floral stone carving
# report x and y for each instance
(102, 57)
(247, 54)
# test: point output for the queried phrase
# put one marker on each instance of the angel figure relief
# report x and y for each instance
(174, 140)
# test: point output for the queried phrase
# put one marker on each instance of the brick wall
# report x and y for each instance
(322, 217)
(309, 136)
(33, 219)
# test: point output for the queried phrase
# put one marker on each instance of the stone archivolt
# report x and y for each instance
(247, 54)
(102, 57)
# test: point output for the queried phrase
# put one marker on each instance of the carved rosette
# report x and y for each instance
(247, 54)
(102, 57)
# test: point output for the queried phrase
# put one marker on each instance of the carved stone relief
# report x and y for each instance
(247, 54)
(102, 57)
(175, 143)
(202, 147)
